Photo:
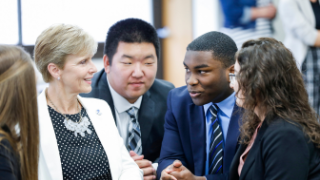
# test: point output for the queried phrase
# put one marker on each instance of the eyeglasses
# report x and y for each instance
(232, 77)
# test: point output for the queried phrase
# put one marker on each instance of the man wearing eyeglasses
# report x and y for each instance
(202, 119)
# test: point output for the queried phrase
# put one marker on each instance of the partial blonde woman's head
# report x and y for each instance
(58, 41)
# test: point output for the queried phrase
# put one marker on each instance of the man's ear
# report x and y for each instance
(230, 69)
(106, 64)
(54, 70)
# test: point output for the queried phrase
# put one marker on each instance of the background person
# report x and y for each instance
(247, 19)
(19, 152)
(78, 137)
(280, 136)
(202, 120)
(301, 22)
(128, 84)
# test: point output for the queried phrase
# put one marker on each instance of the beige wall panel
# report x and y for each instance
(177, 17)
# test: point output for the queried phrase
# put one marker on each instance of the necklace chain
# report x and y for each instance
(80, 116)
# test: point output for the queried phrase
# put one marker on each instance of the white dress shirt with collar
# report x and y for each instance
(121, 105)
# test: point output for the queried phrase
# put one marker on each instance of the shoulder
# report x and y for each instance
(279, 124)
(282, 130)
(4, 143)
(159, 90)
(93, 102)
(180, 95)
(180, 92)
(97, 78)
(6, 149)
(161, 86)
(9, 161)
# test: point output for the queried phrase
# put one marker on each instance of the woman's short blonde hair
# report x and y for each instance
(58, 41)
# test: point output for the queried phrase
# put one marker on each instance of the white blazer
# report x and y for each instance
(299, 26)
(121, 164)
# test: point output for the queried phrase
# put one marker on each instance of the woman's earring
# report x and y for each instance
(58, 78)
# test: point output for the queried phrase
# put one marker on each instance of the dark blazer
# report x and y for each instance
(281, 151)
(151, 112)
(185, 136)
(9, 160)
(233, 11)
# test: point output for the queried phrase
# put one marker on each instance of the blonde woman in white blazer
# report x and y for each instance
(78, 137)
(303, 39)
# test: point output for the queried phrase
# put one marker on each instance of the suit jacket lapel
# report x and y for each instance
(145, 116)
(234, 175)
(232, 138)
(48, 141)
(104, 129)
(198, 137)
(253, 151)
(105, 94)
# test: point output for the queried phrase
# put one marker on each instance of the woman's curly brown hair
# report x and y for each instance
(270, 81)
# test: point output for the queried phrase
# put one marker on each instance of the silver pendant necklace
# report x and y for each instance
(77, 127)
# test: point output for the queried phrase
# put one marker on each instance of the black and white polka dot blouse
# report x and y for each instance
(81, 158)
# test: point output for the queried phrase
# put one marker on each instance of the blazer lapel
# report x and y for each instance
(234, 175)
(145, 117)
(253, 151)
(249, 160)
(232, 138)
(105, 132)
(105, 94)
(48, 141)
(198, 137)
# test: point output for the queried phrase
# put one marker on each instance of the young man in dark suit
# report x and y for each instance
(202, 120)
(128, 84)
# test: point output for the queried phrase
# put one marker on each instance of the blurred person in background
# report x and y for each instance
(136, 98)
(301, 22)
(247, 19)
(19, 128)
(78, 137)
(279, 135)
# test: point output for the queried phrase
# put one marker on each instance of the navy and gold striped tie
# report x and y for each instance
(134, 135)
(216, 141)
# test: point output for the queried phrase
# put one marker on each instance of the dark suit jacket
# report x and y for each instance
(281, 151)
(150, 115)
(9, 160)
(185, 136)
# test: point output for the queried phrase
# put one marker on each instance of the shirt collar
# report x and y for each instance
(224, 105)
(120, 103)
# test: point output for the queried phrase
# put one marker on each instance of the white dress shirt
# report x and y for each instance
(121, 105)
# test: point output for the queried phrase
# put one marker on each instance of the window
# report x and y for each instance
(94, 16)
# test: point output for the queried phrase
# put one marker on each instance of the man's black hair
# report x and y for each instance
(223, 48)
(130, 30)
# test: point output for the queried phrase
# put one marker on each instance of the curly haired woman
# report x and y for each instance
(280, 135)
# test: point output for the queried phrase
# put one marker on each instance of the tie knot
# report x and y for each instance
(131, 112)
(214, 110)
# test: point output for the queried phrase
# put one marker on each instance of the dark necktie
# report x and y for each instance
(134, 135)
(216, 141)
